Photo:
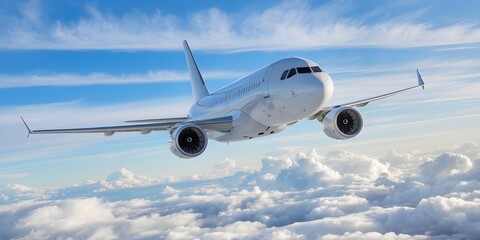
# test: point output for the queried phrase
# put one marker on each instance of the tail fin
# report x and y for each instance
(199, 88)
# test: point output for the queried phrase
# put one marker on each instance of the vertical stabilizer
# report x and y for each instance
(199, 88)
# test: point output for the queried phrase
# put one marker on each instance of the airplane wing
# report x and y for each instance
(181, 119)
(364, 102)
(222, 124)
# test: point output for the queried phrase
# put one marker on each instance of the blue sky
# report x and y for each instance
(88, 63)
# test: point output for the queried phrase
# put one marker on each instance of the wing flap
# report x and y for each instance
(180, 119)
(109, 130)
(223, 124)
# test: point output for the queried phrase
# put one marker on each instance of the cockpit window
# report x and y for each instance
(291, 73)
(304, 70)
(316, 69)
(284, 75)
(301, 70)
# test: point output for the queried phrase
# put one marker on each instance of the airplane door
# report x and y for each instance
(265, 80)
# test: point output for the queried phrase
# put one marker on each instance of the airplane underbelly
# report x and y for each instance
(245, 127)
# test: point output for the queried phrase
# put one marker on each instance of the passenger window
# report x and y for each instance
(304, 70)
(284, 75)
(291, 73)
(316, 69)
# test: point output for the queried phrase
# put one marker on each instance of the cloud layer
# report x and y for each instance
(339, 195)
(287, 25)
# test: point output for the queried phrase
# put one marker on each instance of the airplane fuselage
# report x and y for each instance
(268, 100)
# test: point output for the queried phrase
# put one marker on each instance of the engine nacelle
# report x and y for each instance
(343, 123)
(188, 141)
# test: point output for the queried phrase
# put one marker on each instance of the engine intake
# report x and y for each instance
(188, 141)
(343, 123)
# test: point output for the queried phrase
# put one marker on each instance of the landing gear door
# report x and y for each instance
(266, 77)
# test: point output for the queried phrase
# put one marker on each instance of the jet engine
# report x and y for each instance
(343, 123)
(188, 141)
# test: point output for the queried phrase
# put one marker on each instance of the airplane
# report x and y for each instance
(263, 103)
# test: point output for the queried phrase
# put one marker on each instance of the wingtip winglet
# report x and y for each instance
(26, 125)
(420, 80)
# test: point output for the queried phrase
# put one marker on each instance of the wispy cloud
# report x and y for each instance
(288, 25)
(65, 79)
(446, 80)
(12, 176)
(424, 122)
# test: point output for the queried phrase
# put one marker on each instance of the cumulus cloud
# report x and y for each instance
(362, 166)
(266, 29)
(444, 166)
(123, 178)
(12, 192)
(226, 166)
(338, 195)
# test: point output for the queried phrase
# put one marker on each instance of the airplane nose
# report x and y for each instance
(303, 95)
(318, 89)
(327, 88)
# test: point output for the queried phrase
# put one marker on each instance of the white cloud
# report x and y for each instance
(372, 235)
(68, 216)
(12, 192)
(268, 29)
(363, 166)
(225, 167)
(444, 166)
(96, 219)
(438, 216)
(63, 79)
(123, 178)
(305, 198)
(170, 190)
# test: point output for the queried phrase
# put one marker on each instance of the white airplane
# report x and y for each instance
(260, 104)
